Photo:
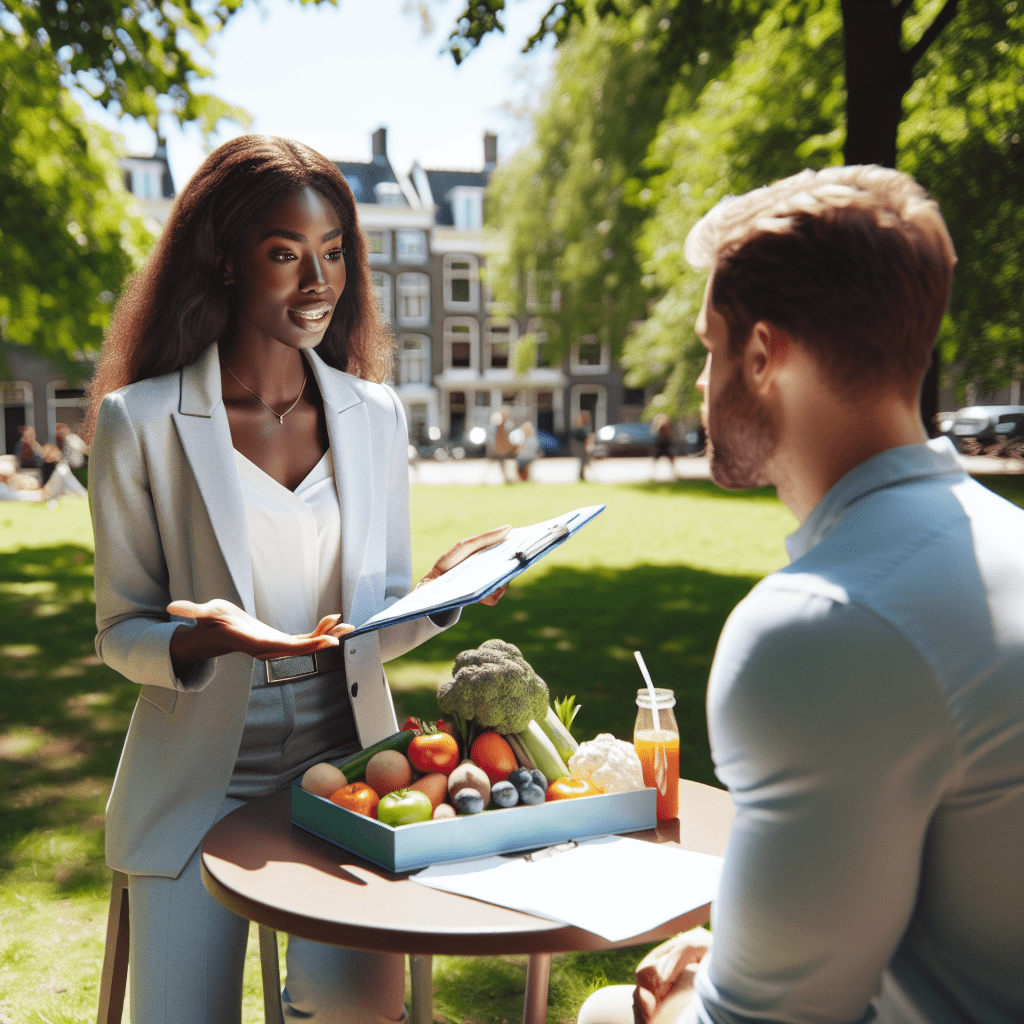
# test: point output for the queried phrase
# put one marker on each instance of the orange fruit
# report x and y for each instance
(492, 753)
(569, 786)
(358, 797)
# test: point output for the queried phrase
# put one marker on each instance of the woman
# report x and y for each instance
(249, 491)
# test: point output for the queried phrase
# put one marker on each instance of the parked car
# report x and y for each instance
(638, 439)
(624, 439)
(985, 425)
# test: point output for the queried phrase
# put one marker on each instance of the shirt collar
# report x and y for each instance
(893, 466)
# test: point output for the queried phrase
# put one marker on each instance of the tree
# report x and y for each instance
(68, 238)
(890, 55)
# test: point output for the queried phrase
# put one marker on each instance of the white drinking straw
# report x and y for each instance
(660, 757)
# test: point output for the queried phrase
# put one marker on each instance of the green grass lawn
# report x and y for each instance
(658, 571)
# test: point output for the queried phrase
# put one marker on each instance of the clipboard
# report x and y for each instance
(481, 573)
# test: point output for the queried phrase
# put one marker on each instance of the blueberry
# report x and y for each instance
(468, 801)
(539, 778)
(503, 794)
(520, 777)
(532, 794)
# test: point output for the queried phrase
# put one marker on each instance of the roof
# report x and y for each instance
(363, 179)
(441, 185)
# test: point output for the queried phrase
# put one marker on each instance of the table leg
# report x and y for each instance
(271, 971)
(421, 972)
(535, 1005)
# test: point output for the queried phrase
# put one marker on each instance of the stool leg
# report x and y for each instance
(115, 954)
(535, 1005)
(421, 971)
(271, 969)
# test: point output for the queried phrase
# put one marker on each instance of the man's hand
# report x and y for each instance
(461, 551)
(664, 978)
(222, 628)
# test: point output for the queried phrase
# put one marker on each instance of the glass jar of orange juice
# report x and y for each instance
(659, 751)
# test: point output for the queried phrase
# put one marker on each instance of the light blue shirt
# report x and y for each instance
(866, 711)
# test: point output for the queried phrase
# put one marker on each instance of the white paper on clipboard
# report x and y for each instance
(482, 573)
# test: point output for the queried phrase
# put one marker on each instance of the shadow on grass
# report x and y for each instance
(63, 717)
(701, 489)
(579, 629)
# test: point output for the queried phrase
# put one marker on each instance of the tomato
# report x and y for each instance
(434, 752)
(404, 806)
(411, 725)
(492, 753)
(568, 787)
(358, 797)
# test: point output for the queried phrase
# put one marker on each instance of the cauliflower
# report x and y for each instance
(609, 763)
(494, 687)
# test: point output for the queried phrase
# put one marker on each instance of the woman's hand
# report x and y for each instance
(223, 628)
(461, 551)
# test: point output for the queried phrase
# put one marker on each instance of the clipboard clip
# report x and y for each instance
(551, 851)
(546, 540)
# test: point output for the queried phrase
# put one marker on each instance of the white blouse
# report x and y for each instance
(295, 543)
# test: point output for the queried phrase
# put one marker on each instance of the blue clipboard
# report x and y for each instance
(482, 573)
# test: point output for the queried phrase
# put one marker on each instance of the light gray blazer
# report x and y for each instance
(170, 524)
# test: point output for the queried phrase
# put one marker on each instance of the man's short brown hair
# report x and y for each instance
(855, 263)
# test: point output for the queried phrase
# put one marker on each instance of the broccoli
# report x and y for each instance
(494, 687)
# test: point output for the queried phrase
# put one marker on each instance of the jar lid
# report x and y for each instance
(665, 698)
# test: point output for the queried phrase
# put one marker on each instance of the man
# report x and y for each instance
(866, 703)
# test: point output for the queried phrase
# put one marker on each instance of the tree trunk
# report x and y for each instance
(877, 76)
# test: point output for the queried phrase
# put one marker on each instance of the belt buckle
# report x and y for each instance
(282, 670)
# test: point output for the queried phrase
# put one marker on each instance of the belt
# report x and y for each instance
(304, 666)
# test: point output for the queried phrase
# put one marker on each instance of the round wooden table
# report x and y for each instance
(263, 868)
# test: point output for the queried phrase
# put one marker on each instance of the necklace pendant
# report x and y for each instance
(280, 419)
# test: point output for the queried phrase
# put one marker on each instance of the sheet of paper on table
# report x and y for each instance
(613, 886)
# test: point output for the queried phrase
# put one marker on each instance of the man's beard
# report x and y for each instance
(741, 436)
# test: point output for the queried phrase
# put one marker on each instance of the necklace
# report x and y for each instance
(280, 416)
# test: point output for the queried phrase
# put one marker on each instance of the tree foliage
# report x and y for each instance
(761, 95)
(67, 236)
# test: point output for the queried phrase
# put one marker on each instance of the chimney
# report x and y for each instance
(380, 145)
(490, 151)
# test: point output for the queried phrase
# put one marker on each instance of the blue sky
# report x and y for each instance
(329, 76)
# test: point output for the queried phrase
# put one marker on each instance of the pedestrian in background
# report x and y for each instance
(582, 441)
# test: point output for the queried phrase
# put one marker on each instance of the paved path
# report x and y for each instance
(615, 471)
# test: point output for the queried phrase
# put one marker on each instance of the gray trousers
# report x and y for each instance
(187, 954)
(187, 951)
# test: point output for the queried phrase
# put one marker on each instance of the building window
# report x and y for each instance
(592, 399)
(414, 299)
(590, 355)
(546, 411)
(499, 336)
(461, 334)
(19, 409)
(461, 283)
(411, 246)
(414, 359)
(64, 405)
(418, 423)
(378, 246)
(456, 414)
(467, 206)
(382, 293)
(547, 357)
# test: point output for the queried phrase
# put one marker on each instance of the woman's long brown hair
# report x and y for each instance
(178, 303)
